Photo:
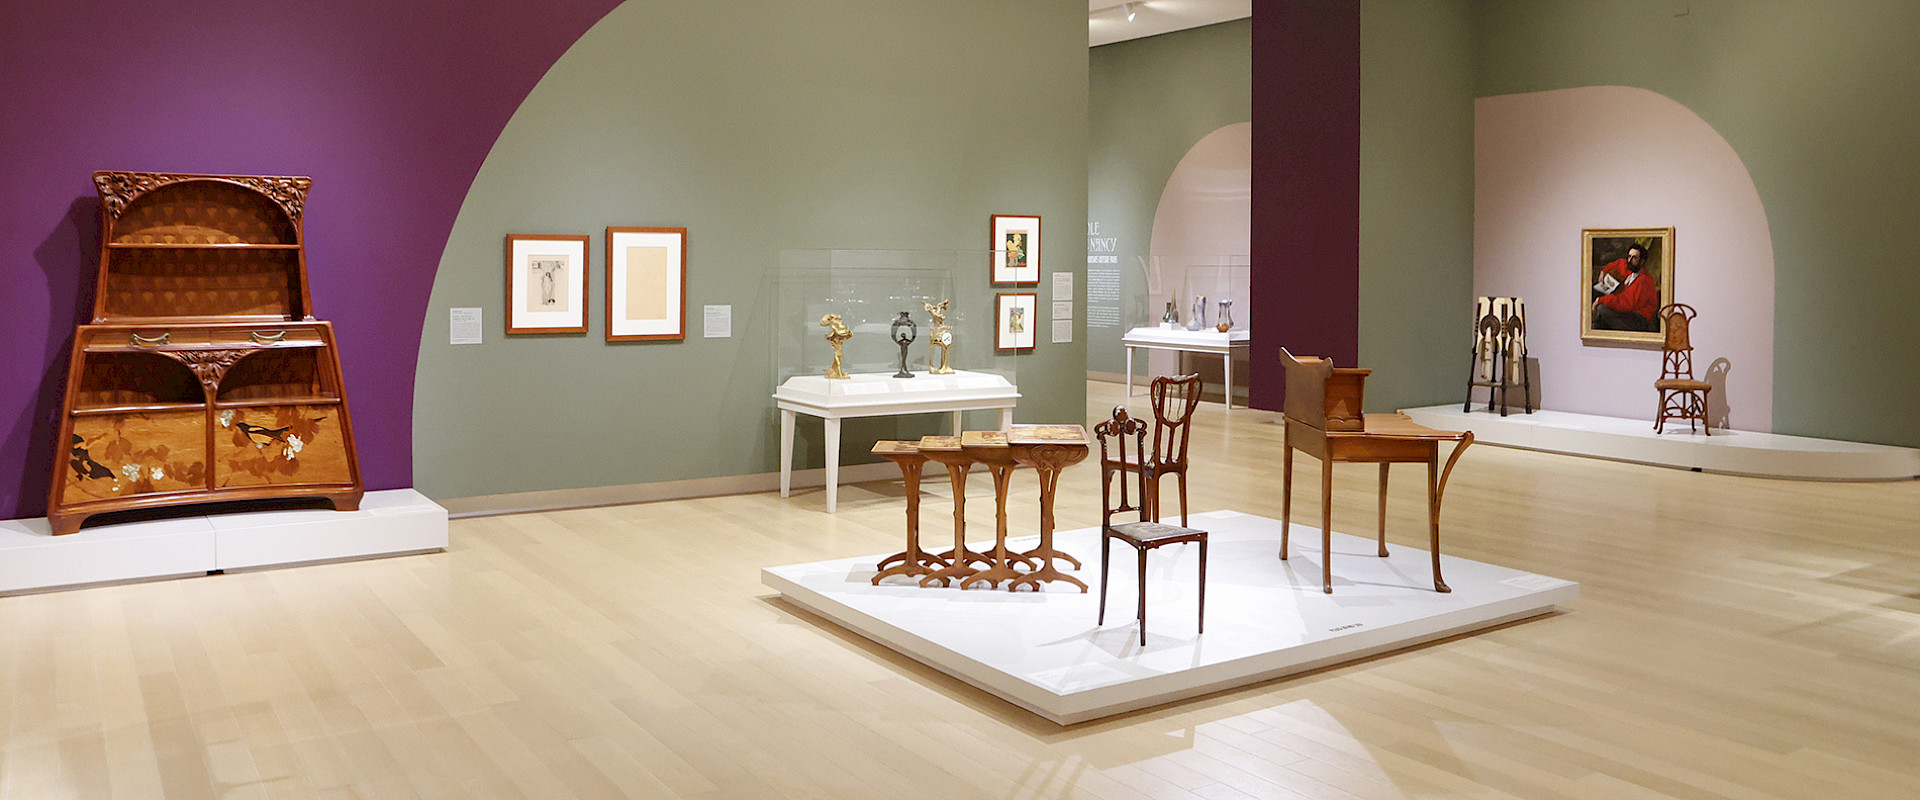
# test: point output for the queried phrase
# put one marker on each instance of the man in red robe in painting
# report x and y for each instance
(1632, 305)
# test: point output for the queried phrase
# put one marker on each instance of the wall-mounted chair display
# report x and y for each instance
(1681, 397)
(1323, 418)
(1499, 352)
(1123, 440)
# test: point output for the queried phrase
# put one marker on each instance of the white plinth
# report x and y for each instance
(879, 395)
(1265, 617)
(1732, 452)
(1206, 341)
(388, 522)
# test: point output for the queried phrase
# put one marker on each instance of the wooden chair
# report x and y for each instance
(1116, 435)
(1174, 400)
(1323, 418)
(1499, 352)
(1681, 397)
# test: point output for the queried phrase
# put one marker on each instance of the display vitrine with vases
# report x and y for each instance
(204, 375)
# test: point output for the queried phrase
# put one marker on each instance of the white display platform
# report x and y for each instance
(1733, 452)
(1266, 618)
(880, 395)
(1206, 341)
(388, 522)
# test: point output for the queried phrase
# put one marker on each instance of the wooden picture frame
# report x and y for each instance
(1628, 312)
(646, 284)
(547, 283)
(1015, 324)
(1016, 250)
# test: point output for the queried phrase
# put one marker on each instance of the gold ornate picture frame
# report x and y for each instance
(1621, 292)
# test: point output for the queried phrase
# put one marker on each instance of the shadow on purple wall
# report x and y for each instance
(389, 107)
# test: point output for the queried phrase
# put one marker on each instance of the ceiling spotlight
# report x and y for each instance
(1132, 8)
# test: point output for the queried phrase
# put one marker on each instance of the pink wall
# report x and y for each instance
(1204, 222)
(1548, 164)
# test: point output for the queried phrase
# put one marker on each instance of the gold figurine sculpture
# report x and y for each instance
(837, 334)
(939, 337)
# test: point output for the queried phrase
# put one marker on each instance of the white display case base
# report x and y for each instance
(388, 523)
(1204, 341)
(1266, 618)
(1769, 455)
(880, 395)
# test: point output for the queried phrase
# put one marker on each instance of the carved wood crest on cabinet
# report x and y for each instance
(203, 376)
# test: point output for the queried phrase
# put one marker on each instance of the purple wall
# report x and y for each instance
(390, 107)
(1306, 188)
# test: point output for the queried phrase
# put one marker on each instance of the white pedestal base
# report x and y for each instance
(388, 522)
(1769, 455)
(1265, 617)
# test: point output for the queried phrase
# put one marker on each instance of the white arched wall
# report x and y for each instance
(1548, 164)
(1204, 216)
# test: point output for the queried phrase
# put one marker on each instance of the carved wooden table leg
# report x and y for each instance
(1048, 460)
(959, 560)
(1002, 568)
(912, 562)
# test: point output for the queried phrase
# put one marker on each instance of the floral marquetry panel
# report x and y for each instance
(111, 456)
(279, 445)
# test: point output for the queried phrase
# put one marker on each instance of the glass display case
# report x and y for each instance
(857, 297)
(1194, 319)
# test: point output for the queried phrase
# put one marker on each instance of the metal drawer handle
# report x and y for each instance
(266, 338)
(142, 341)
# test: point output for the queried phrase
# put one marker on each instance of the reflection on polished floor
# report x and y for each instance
(1734, 637)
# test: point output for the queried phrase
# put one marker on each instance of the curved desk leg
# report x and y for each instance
(1286, 498)
(1383, 508)
(786, 452)
(1326, 524)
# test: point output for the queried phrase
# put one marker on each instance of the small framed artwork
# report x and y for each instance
(546, 283)
(646, 284)
(1014, 320)
(1016, 249)
(1626, 275)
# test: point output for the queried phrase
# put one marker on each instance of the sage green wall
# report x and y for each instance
(1822, 103)
(1148, 102)
(1416, 200)
(760, 126)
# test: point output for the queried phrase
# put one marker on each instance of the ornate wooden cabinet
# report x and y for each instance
(204, 376)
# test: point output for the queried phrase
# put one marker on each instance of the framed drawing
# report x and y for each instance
(646, 284)
(546, 283)
(1016, 249)
(1014, 321)
(1626, 275)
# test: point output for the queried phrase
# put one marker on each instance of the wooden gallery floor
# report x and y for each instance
(1734, 638)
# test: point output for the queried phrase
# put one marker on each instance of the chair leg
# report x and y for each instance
(1203, 587)
(1142, 614)
(1286, 499)
(1383, 509)
(1705, 424)
(1526, 381)
(1106, 549)
(1183, 497)
(1473, 367)
(1326, 524)
(1659, 422)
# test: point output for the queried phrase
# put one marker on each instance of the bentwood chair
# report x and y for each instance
(1681, 397)
(1116, 436)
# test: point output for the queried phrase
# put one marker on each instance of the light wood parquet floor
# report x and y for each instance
(1734, 638)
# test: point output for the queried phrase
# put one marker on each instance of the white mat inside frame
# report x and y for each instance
(1266, 618)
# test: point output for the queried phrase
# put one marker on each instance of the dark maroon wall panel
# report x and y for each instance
(1306, 186)
(390, 106)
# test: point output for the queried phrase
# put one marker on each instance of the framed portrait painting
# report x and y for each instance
(546, 283)
(1014, 321)
(1626, 275)
(646, 284)
(1016, 250)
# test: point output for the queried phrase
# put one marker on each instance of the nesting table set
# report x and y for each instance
(1047, 448)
